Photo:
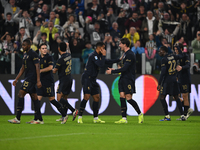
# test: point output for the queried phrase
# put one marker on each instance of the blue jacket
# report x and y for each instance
(85, 54)
(138, 50)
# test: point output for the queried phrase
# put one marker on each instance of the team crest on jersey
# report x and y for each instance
(95, 57)
(44, 61)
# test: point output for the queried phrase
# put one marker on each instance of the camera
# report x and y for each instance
(107, 34)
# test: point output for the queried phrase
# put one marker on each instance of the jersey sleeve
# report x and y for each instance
(35, 58)
(127, 63)
(99, 61)
(58, 63)
(50, 60)
(187, 62)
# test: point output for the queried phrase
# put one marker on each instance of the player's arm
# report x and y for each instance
(111, 61)
(55, 70)
(127, 63)
(186, 66)
(37, 67)
(163, 72)
(100, 62)
(58, 64)
(19, 74)
(50, 67)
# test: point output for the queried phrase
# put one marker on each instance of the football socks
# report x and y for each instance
(135, 105)
(20, 107)
(59, 107)
(164, 105)
(123, 107)
(82, 107)
(95, 108)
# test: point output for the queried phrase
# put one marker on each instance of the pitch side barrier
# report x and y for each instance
(146, 95)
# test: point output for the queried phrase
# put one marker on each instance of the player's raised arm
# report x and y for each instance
(19, 74)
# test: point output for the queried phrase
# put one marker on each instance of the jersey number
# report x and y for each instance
(172, 67)
(69, 66)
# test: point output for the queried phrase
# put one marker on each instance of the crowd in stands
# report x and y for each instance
(148, 24)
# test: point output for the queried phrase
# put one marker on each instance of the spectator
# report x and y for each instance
(149, 26)
(71, 25)
(110, 17)
(36, 28)
(21, 36)
(24, 21)
(133, 22)
(35, 7)
(138, 50)
(10, 7)
(103, 23)
(185, 27)
(43, 13)
(94, 10)
(150, 51)
(95, 34)
(184, 43)
(9, 25)
(133, 36)
(5, 57)
(53, 44)
(114, 32)
(160, 11)
(54, 18)
(167, 23)
(43, 38)
(159, 43)
(76, 53)
(50, 29)
(196, 47)
(120, 20)
(62, 14)
(141, 13)
(86, 52)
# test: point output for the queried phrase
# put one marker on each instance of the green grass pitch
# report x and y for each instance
(151, 135)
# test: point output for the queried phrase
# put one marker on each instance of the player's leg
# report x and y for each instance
(183, 118)
(38, 114)
(95, 104)
(123, 108)
(20, 107)
(165, 108)
(134, 104)
(186, 103)
(57, 105)
(82, 107)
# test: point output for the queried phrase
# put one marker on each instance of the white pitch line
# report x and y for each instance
(35, 137)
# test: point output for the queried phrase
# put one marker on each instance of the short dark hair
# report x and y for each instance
(62, 46)
(164, 48)
(21, 28)
(8, 14)
(100, 44)
(125, 41)
(42, 45)
(27, 41)
(44, 34)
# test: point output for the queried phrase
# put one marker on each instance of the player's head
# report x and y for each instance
(62, 47)
(100, 45)
(124, 43)
(163, 50)
(26, 45)
(43, 49)
(180, 45)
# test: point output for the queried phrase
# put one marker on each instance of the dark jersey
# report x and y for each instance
(29, 60)
(95, 61)
(168, 68)
(64, 65)
(46, 77)
(128, 66)
(184, 74)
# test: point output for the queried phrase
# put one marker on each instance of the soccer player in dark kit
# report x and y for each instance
(127, 81)
(46, 77)
(184, 80)
(31, 67)
(168, 83)
(88, 80)
(63, 66)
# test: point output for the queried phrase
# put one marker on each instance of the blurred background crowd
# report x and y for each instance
(148, 24)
